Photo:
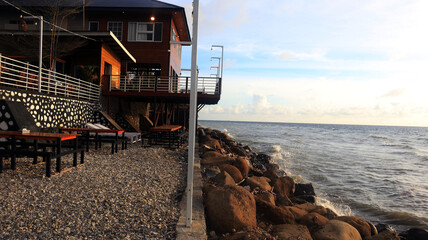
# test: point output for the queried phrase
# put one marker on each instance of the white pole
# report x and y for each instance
(192, 114)
(40, 53)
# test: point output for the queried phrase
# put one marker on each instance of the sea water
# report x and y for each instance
(379, 173)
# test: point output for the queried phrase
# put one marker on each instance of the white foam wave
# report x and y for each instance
(276, 148)
(339, 209)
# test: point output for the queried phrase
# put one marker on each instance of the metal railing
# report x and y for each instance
(22, 75)
(130, 83)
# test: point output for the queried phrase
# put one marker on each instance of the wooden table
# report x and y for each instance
(165, 132)
(86, 134)
(12, 151)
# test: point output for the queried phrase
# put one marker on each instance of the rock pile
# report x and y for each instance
(246, 196)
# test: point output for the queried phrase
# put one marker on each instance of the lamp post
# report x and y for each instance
(40, 48)
(222, 52)
(218, 66)
(192, 114)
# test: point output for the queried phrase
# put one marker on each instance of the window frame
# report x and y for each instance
(152, 32)
(89, 26)
(121, 29)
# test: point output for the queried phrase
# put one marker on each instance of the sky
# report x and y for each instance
(326, 61)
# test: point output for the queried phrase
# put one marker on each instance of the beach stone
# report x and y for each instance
(415, 234)
(362, 226)
(266, 196)
(337, 230)
(283, 201)
(272, 213)
(283, 186)
(215, 158)
(373, 229)
(230, 208)
(303, 199)
(223, 179)
(208, 187)
(297, 212)
(313, 221)
(304, 189)
(291, 232)
(242, 164)
(259, 182)
(384, 235)
(320, 210)
(232, 171)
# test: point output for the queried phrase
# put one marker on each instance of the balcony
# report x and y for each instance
(165, 89)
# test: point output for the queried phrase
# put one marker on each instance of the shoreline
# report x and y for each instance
(221, 156)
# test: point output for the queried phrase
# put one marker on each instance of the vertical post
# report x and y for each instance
(139, 84)
(26, 77)
(192, 115)
(156, 84)
(187, 84)
(125, 82)
(40, 53)
(109, 84)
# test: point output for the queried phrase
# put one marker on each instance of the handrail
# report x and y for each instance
(22, 75)
(171, 84)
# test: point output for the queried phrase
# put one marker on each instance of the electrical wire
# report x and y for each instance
(54, 25)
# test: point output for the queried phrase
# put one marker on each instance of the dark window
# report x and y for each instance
(93, 26)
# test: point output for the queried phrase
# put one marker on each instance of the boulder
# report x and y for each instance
(242, 164)
(266, 196)
(304, 189)
(331, 215)
(272, 213)
(233, 171)
(230, 208)
(212, 171)
(415, 234)
(210, 143)
(297, 212)
(259, 182)
(213, 158)
(384, 235)
(291, 232)
(283, 186)
(337, 230)
(313, 221)
(320, 210)
(362, 226)
(223, 179)
(283, 201)
(271, 174)
(308, 207)
(238, 150)
(303, 199)
(263, 158)
(208, 187)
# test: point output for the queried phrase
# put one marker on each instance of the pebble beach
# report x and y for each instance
(133, 194)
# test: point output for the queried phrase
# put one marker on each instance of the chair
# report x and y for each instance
(132, 137)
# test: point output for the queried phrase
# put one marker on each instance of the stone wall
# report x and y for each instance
(52, 111)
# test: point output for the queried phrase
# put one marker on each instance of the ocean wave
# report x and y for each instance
(276, 148)
(402, 146)
(339, 209)
(378, 137)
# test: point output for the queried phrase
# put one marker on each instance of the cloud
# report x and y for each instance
(394, 93)
(314, 55)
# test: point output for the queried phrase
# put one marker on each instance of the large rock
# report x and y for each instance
(283, 201)
(259, 182)
(223, 179)
(266, 196)
(233, 171)
(308, 207)
(230, 208)
(212, 171)
(337, 230)
(272, 213)
(297, 212)
(215, 158)
(291, 232)
(384, 235)
(362, 226)
(242, 164)
(304, 189)
(415, 234)
(210, 143)
(283, 186)
(313, 221)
